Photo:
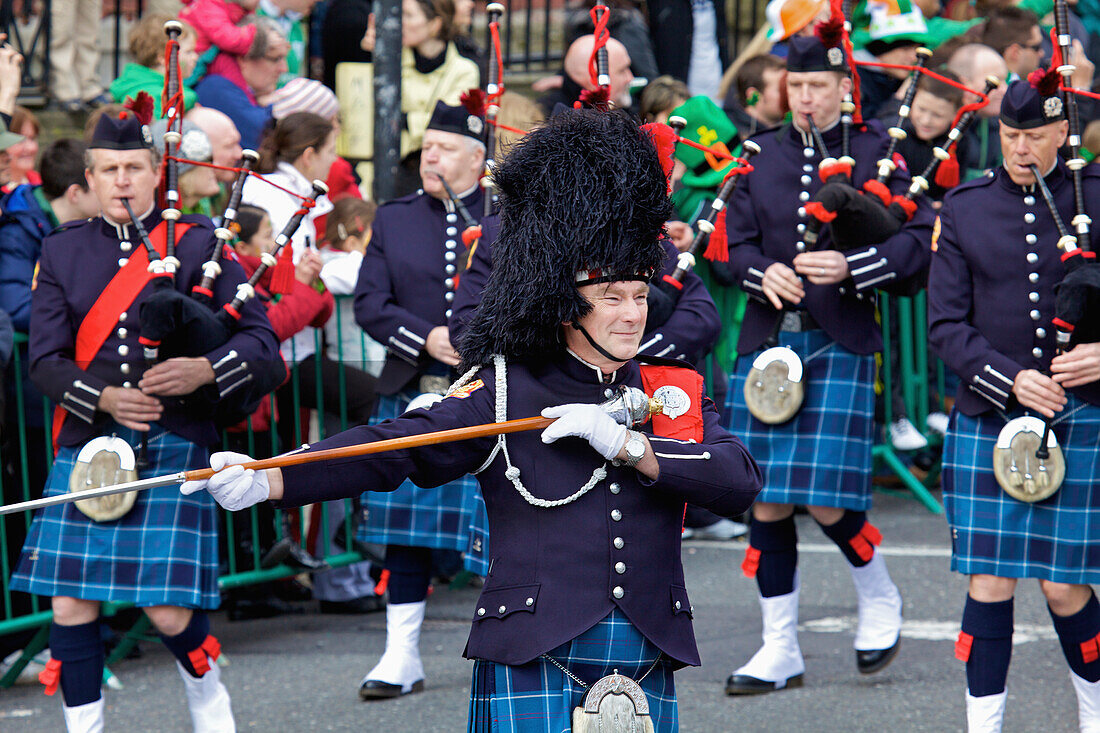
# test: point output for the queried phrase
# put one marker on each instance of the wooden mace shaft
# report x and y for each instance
(381, 446)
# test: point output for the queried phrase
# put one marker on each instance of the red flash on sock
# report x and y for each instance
(200, 658)
(1090, 650)
(51, 676)
(383, 581)
(864, 542)
(963, 645)
(751, 563)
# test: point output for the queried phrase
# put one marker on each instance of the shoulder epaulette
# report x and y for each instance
(70, 225)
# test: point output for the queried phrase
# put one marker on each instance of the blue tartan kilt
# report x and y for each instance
(1057, 539)
(164, 551)
(448, 517)
(821, 456)
(538, 696)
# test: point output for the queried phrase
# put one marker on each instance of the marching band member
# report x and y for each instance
(403, 298)
(821, 305)
(585, 575)
(991, 299)
(85, 353)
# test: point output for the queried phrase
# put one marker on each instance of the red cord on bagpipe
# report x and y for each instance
(972, 107)
(600, 14)
(309, 202)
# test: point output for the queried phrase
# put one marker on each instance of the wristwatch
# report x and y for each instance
(635, 448)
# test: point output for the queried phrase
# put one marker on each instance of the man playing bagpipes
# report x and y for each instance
(1012, 301)
(585, 576)
(157, 550)
(805, 406)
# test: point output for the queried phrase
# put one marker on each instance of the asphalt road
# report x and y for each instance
(300, 673)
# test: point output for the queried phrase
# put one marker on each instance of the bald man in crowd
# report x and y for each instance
(223, 136)
(575, 76)
(972, 63)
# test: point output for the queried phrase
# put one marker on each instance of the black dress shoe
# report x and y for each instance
(871, 661)
(363, 604)
(375, 690)
(743, 684)
(290, 552)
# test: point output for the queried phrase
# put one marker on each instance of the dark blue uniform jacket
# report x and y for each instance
(766, 218)
(78, 261)
(991, 286)
(553, 573)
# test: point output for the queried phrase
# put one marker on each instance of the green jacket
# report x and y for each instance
(137, 78)
(730, 301)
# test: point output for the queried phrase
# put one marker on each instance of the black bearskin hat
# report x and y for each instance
(583, 192)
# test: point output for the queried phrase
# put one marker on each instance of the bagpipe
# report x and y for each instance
(863, 217)
(1028, 462)
(174, 323)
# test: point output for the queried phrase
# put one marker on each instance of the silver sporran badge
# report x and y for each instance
(676, 401)
(616, 704)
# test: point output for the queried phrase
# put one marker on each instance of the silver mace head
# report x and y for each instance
(631, 406)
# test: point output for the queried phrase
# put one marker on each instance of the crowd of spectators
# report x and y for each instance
(256, 77)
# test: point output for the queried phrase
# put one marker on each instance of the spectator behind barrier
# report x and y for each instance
(576, 77)
(224, 138)
(972, 63)
(756, 100)
(1014, 33)
(660, 97)
(246, 96)
(22, 155)
(291, 17)
(146, 71)
(627, 25)
(218, 27)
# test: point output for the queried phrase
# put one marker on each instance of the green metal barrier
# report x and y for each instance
(245, 568)
(913, 381)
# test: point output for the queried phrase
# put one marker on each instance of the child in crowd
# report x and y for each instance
(934, 107)
(347, 232)
(216, 29)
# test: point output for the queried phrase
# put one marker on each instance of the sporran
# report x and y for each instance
(104, 461)
(1020, 472)
(774, 389)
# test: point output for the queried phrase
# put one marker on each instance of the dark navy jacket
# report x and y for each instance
(553, 572)
(23, 225)
(765, 219)
(78, 261)
(991, 286)
(407, 281)
(689, 332)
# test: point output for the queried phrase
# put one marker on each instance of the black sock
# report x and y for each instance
(855, 536)
(190, 647)
(985, 644)
(1078, 635)
(80, 651)
(772, 556)
(410, 573)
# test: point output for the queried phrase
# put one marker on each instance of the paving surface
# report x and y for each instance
(300, 673)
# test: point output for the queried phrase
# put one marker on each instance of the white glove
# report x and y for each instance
(235, 487)
(590, 422)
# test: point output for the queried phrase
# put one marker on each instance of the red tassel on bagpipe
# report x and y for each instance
(282, 276)
(718, 246)
(947, 174)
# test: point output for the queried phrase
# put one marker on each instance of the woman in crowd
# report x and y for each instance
(146, 71)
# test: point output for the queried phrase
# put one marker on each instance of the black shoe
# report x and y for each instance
(363, 604)
(871, 661)
(743, 684)
(375, 690)
(293, 555)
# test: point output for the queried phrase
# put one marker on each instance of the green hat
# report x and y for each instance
(888, 21)
(7, 139)
(707, 125)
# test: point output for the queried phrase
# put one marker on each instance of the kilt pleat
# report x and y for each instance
(164, 551)
(822, 456)
(539, 697)
(449, 517)
(1057, 539)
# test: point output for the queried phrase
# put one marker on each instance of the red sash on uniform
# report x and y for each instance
(688, 426)
(119, 295)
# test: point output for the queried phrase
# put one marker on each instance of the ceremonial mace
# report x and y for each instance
(630, 407)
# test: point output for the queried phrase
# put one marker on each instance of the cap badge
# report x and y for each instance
(835, 56)
(1052, 106)
(474, 124)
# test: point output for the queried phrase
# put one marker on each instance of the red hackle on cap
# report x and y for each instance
(1045, 81)
(596, 98)
(142, 106)
(664, 138)
(831, 32)
(474, 101)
